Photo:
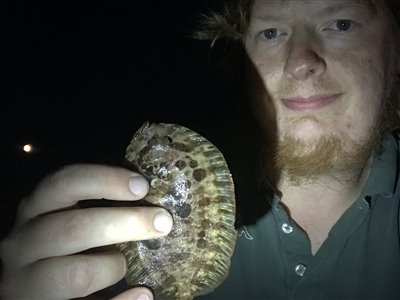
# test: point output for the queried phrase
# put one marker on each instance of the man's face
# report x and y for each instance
(325, 65)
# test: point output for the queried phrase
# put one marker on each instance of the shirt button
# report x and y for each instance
(300, 269)
(286, 228)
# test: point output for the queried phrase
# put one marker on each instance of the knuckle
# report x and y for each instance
(4, 247)
(72, 175)
(62, 175)
(5, 290)
(74, 227)
(6, 251)
(80, 275)
(23, 203)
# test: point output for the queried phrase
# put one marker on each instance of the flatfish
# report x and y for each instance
(190, 178)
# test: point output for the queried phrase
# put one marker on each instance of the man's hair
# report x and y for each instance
(232, 20)
(229, 23)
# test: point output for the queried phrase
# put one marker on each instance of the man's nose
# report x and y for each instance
(303, 61)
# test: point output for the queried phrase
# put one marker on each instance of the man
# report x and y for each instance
(328, 71)
(322, 75)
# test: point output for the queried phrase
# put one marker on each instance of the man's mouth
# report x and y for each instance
(310, 103)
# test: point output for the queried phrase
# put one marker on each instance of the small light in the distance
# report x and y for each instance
(28, 148)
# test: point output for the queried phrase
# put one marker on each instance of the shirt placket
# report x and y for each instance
(295, 247)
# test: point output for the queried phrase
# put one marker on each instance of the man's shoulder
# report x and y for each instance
(396, 133)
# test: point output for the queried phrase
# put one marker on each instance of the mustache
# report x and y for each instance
(288, 89)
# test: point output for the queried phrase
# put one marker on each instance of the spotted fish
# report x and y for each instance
(189, 177)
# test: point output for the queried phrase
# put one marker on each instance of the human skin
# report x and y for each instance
(50, 227)
(326, 67)
(311, 57)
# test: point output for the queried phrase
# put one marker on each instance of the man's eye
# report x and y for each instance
(342, 25)
(269, 33)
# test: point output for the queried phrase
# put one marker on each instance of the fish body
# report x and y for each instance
(190, 178)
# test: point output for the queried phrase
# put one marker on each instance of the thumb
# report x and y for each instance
(140, 293)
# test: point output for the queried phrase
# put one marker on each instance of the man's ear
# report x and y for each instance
(397, 55)
(398, 67)
(398, 61)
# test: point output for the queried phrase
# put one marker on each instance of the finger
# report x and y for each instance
(74, 231)
(65, 277)
(140, 293)
(79, 182)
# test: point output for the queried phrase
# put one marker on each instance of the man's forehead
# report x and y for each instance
(265, 8)
(321, 2)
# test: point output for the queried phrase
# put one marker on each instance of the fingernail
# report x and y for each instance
(144, 296)
(163, 222)
(139, 186)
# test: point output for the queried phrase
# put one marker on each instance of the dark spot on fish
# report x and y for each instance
(151, 244)
(199, 174)
(193, 163)
(180, 147)
(206, 224)
(175, 193)
(149, 171)
(187, 184)
(205, 201)
(201, 243)
(183, 210)
(180, 164)
(144, 151)
(201, 234)
(169, 280)
(139, 161)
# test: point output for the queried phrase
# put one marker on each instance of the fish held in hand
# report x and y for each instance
(190, 178)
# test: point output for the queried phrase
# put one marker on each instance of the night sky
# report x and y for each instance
(80, 77)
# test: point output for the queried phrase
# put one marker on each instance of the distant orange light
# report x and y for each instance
(28, 148)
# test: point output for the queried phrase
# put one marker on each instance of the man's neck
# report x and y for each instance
(317, 206)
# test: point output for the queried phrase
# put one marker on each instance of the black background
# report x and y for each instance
(80, 77)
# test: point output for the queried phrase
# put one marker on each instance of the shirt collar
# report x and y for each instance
(383, 177)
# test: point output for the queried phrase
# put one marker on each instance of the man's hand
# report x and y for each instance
(37, 254)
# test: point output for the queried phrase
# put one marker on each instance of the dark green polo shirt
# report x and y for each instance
(360, 259)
